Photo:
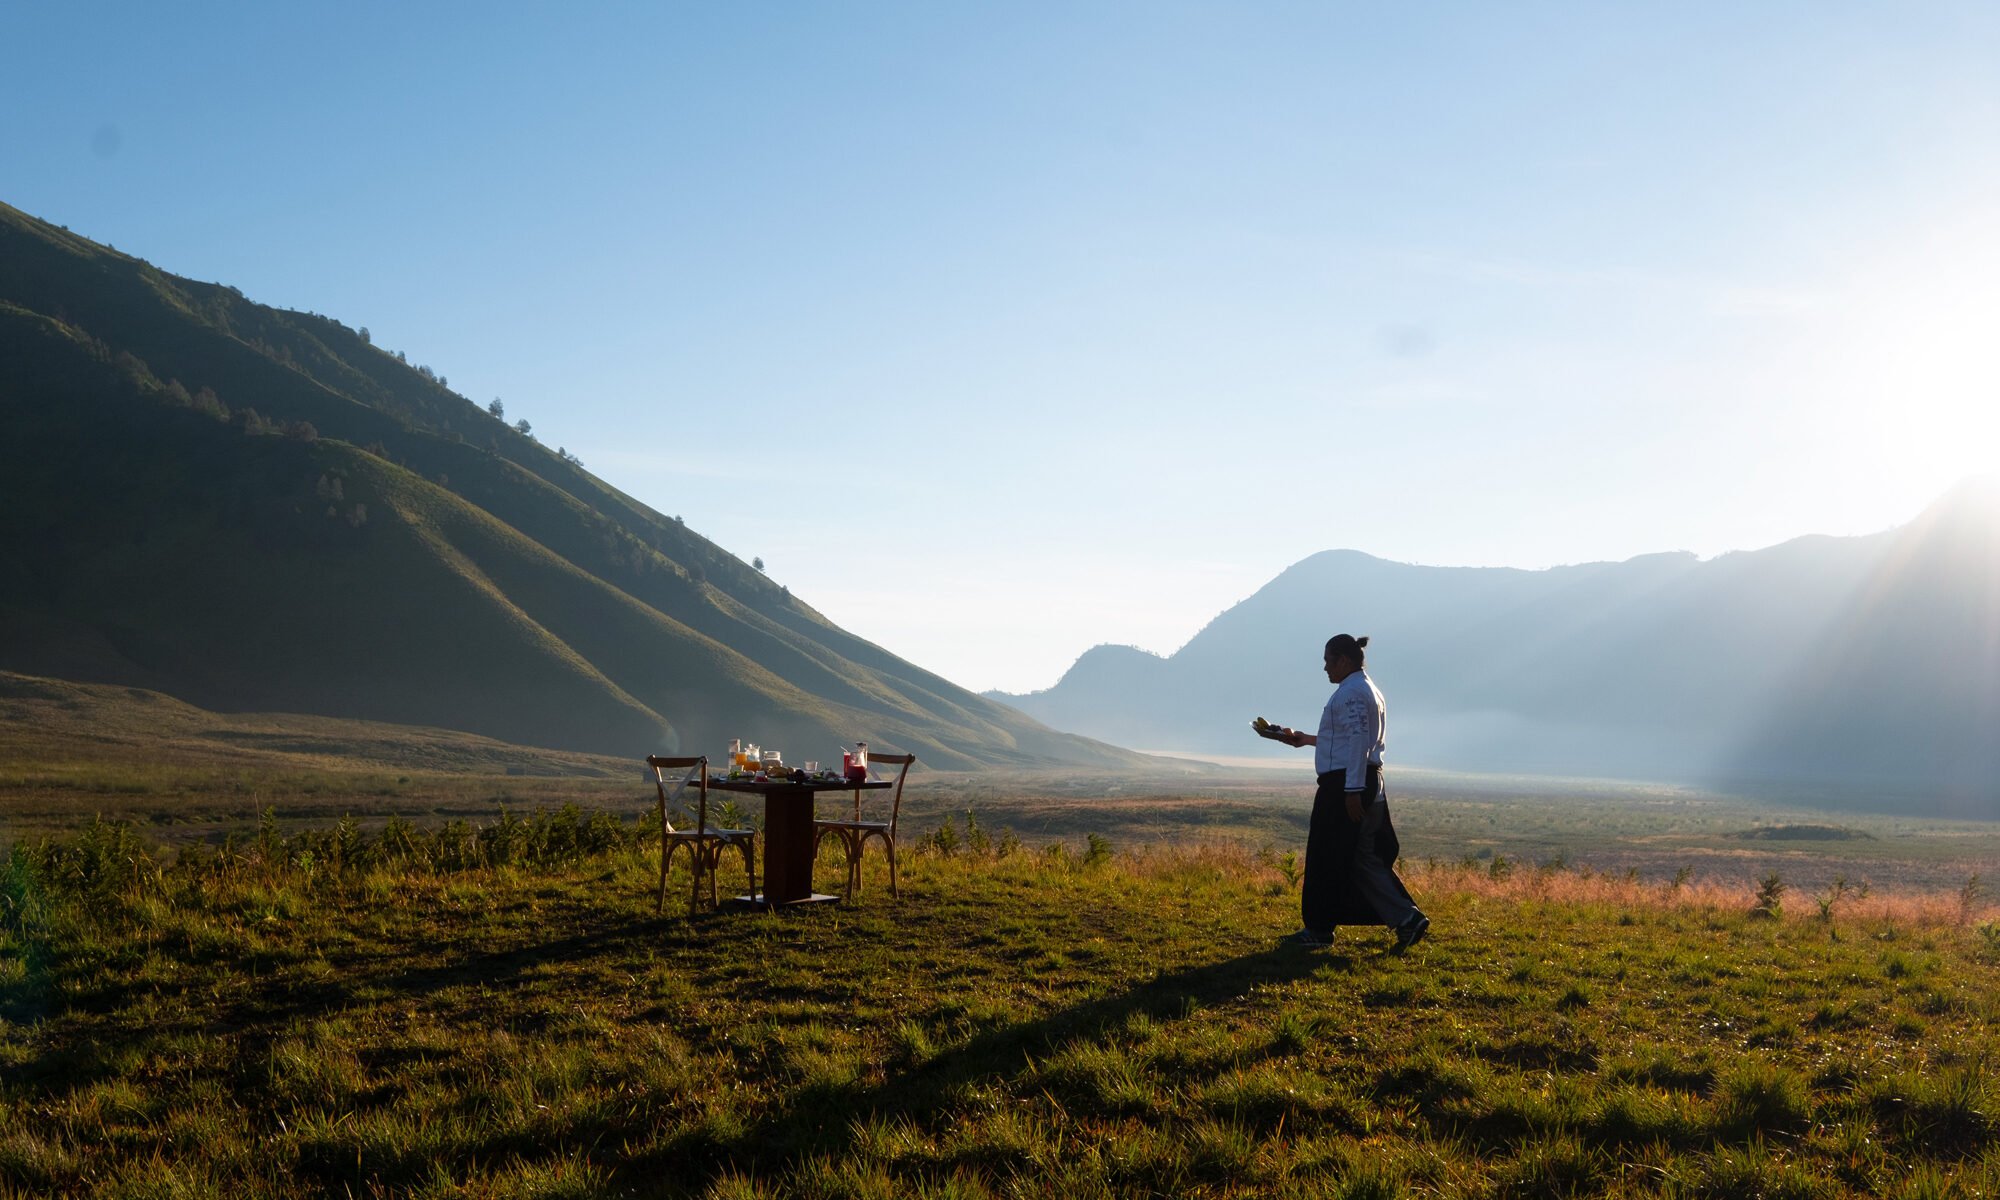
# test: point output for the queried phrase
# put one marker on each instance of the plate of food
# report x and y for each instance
(1277, 733)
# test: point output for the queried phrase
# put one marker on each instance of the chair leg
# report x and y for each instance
(695, 865)
(891, 844)
(750, 865)
(666, 857)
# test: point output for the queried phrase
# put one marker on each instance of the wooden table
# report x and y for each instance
(788, 835)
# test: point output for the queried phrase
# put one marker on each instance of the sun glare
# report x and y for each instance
(1916, 353)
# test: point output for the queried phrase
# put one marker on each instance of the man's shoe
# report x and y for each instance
(1412, 931)
(1310, 939)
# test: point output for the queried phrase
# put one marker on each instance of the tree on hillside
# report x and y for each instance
(497, 409)
(757, 563)
(523, 428)
(365, 339)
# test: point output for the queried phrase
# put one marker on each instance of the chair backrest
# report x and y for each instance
(905, 762)
(699, 776)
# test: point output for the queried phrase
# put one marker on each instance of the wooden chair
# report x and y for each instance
(704, 845)
(854, 834)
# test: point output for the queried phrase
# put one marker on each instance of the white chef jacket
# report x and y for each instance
(1352, 730)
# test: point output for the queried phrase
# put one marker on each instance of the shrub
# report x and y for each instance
(1971, 896)
(1835, 892)
(942, 841)
(1288, 866)
(1770, 900)
(730, 815)
(975, 837)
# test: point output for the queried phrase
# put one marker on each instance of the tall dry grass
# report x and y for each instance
(1971, 904)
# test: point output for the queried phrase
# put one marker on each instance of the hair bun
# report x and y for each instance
(1361, 641)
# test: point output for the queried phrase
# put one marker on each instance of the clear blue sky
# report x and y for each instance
(1102, 314)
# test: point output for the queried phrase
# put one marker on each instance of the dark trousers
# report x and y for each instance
(1351, 865)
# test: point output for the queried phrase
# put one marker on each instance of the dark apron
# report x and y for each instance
(1329, 897)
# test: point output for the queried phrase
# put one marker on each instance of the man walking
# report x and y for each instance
(1351, 847)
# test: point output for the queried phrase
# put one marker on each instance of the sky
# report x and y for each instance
(1002, 331)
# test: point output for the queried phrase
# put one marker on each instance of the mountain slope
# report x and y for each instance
(1867, 667)
(1905, 682)
(257, 509)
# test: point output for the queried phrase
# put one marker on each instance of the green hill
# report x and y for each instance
(256, 509)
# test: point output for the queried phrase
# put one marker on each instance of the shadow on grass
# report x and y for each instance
(819, 1121)
(92, 1044)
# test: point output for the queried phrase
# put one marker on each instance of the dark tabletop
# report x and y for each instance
(814, 785)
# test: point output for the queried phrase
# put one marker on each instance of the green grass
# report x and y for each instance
(285, 1017)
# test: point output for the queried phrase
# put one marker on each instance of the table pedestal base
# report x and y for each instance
(760, 900)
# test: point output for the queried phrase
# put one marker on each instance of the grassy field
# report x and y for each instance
(277, 956)
(439, 1010)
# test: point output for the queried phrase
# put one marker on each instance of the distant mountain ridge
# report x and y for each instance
(257, 509)
(1852, 667)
